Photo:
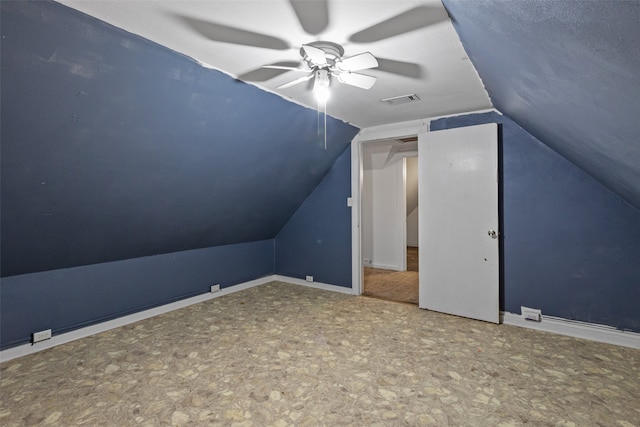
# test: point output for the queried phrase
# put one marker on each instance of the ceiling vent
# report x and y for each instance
(403, 99)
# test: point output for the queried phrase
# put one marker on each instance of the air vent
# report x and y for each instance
(403, 99)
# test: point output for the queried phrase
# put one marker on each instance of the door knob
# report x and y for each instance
(493, 234)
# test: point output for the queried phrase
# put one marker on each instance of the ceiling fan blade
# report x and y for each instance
(362, 61)
(316, 55)
(285, 65)
(224, 33)
(282, 67)
(312, 14)
(401, 68)
(413, 19)
(362, 81)
(295, 82)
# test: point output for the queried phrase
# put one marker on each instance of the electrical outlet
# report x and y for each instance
(215, 288)
(531, 314)
(309, 278)
(366, 261)
(41, 336)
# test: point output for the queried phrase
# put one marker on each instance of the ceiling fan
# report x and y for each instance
(324, 61)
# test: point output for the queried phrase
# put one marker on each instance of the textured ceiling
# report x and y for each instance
(568, 72)
(416, 45)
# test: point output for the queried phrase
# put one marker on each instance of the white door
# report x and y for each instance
(458, 236)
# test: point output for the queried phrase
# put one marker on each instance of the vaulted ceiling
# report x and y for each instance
(114, 147)
(109, 137)
(416, 46)
(568, 72)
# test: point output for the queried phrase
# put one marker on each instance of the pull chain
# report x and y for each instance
(324, 113)
(318, 117)
(325, 125)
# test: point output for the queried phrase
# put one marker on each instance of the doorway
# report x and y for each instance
(463, 262)
(389, 202)
(370, 137)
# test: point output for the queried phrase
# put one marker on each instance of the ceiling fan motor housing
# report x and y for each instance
(333, 52)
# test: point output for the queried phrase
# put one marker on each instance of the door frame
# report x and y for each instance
(377, 133)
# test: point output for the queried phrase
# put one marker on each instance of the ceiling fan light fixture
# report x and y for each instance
(321, 86)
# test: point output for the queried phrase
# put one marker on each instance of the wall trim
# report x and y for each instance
(577, 329)
(386, 267)
(557, 325)
(481, 111)
(316, 285)
(368, 135)
(56, 340)
(391, 130)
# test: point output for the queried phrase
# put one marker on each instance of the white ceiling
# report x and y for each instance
(443, 77)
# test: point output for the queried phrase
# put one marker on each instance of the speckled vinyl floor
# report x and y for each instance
(282, 354)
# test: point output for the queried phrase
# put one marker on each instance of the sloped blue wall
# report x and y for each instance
(71, 298)
(131, 176)
(568, 72)
(570, 246)
(316, 241)
(114, 147)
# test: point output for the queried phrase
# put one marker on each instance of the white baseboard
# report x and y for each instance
(589, 331)
(25, 349)
(412, 244)
(577, 329)
(383, 266)
(317, 285)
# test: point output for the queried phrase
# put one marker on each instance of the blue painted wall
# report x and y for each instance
(131, 176)
(568, 72)
(70, 298)
(571, 247)
(316, 241)
(114, 147)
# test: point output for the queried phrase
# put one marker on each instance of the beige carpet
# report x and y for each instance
(412, 259)
(286, 355)
(399, 286)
